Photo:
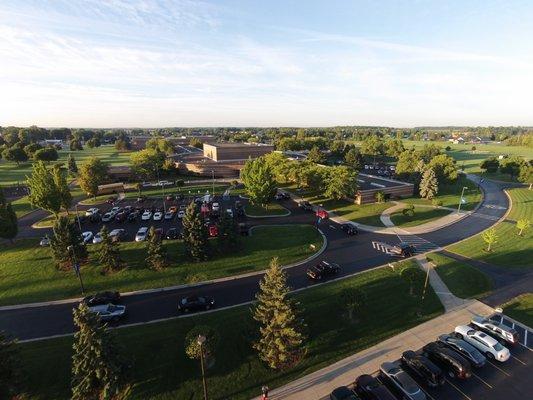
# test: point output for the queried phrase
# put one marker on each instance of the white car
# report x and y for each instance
(229, 211)
(114, 210)
(493, 328)
(181, 214)
(91, 211)
(169, 215)
(109, 312)
(483, 342)
(108, 217)
(141, 234)
(147, 214)
(116, 234)
(215, 207)
(97, 238)
(87, 236)
(45, 241)
(158, 216)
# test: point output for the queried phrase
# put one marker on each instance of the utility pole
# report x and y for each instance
(76, 268)
(461, 199)
(201, 341)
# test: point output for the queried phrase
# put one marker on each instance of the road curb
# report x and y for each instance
(287, 213)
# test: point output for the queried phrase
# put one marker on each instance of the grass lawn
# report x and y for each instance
(521, 309)
(422, 215)
(511, 250)
(272, 209)
(463, 280)
(22, 206)
(27, 273)
(449, 195)
(162, 370)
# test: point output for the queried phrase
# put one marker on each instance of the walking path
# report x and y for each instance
(320, 383)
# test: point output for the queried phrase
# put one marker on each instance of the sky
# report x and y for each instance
(143, 63)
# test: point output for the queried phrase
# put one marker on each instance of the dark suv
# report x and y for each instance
(403, 250)
(422, 367)
(350, 229)
(323, 270)
(455, 364)
(476, 358)
(305, 205)
(369, 387)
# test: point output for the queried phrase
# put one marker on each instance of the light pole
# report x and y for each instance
(78, 216)
(461, 199)
(201, 341)
(76, 267)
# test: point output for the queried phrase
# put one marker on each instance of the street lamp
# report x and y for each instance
(76, 268)
(201, 341)
(78, 216)
(461, 199)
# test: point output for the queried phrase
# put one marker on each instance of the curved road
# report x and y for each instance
(354, 254)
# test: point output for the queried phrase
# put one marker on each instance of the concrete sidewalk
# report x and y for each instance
(319, 384)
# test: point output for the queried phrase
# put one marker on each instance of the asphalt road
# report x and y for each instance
(352, 253)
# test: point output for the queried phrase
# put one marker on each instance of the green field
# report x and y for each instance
(272, 209)
(463, 280)
(521, 309)
(422, 215)
(162, 371)
(511, 250)
(27, 273)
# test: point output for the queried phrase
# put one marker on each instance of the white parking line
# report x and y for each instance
(520, 361)
(332, 227)
(459, 390)
(498, 368)
(525, 339)
(428, 395)
(482, 380)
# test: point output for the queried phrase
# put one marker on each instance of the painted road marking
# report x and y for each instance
(381, 246)
(498, 368)
(459, 390)
(520, 361)
(482, 380)
(332, 227)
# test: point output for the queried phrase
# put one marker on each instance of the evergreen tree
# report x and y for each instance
(429, 186)
(8, 219)
(44, 192)
(98, 370)
(10, 373)
(227, 234)
(259, 181)
(109, 255)
(156, 258)
(92, 174)
(62, 186)
(195, 237)
(354, 159)
(281, 338)
(72, 166)
(341, 182)
(315, 155)
(66, 234)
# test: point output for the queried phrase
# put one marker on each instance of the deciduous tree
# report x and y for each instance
(62, 186)
(147, 163)
(92, 174)
(490, 237)
(8, 219)
(10, 368)
(259, 181)
(316, 156)
(341, 183)
(354, 159)
(522, 225)
(352, 300)
(44, 192)
(15, 154)
(47, 154)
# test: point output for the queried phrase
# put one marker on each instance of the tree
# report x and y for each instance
(156, 257)
(406, 165)
(353, 159)
(109, 255)
(473, 149)
(192, 348)
(98, 370)
(281, 336)
(161, 145)
(72, 166)
(66, 242)
(352, 300)
(444, 167)
(278, 165)
(15, 154)
(414, 277)
(47, 154)
(227, 234)
(31, 148)
(490, 237)
(429, 151)
(75, 144)
(195, 237)
(122, 144)
(490, 164)
(62, 186)
(195, 142)
(511, 165)
(522, 225)
(92, 174)
(526, 174)
(146, 163)
(429, 185)
(315, 155)
(394, 147)
(8, 219)
(258, 180)
(337, 148)
(93, 142)
(44, 192)
(380, 196)
(342, 183)
(372, 146)
(10, 370)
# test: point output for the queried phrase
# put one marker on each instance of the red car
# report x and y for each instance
(213, 230)
(322, 214)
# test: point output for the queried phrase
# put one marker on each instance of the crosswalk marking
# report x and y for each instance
(485, 216)
(383, 247)
(421, 245)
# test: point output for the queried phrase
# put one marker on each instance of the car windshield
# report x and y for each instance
(113, 308)
(497, 347)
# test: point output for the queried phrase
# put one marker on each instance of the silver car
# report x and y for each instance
(109, 312)
(497, 330)
(402, 381)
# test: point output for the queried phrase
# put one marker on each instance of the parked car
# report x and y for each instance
(476, 358)
(195, 303)
(282, 196)
(496, 330)
(423, 368)
(97, 238)
(305, 205)
(173, 209)
(454, 364)
(350, 229)
(343, 393)
(369, 387)
(213, 230)
(181, 214)
(238, 204)
(243, 229)
(91, 211)
(121, 216)
(147, 214)
(169, 197)
(215, 207)
(95, 218)
(322, 214)
(102, 298)
(87, 237)
(108, 216)
(117, 235)
(169, 215)
(401, 382)
(403, 249)
(132, 217)
(109, 312)
(142, 233)
(115, 210)
(172, 234)
(158, 215)
(483, 342)
(45, 241)
(229, 212)
(141, 199)
(323, 270)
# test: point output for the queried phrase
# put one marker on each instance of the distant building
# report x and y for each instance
(235, 151)
(139, 142)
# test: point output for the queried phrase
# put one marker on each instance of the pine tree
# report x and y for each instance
(156, 258)
(62, 186)
(10, 372)
(109, 255)
(72, 166)
(281, 338)
(227, 234)
(44, 192)
(258, 180)
(195, 237)
(65, 235)
(354, 159)
(98, 370)
(315, 155)
(429, 186)
(8, 219)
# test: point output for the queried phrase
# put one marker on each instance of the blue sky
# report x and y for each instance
(144, 63)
